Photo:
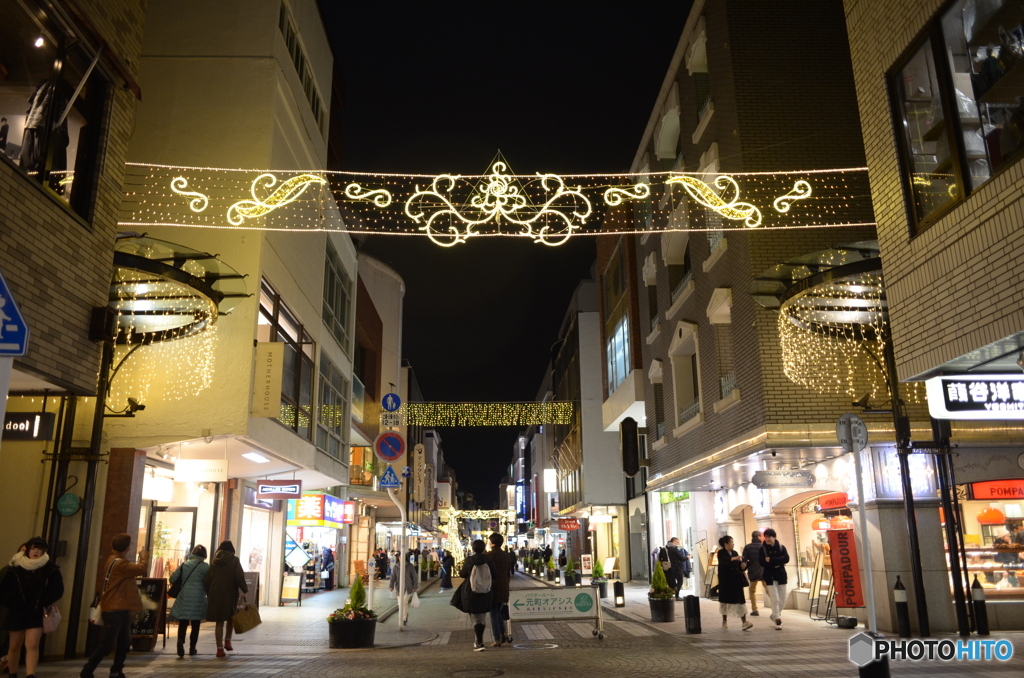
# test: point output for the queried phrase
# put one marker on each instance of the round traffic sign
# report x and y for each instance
(391, 402)
(389, 446)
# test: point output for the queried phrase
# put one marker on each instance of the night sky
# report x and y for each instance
(440, 87)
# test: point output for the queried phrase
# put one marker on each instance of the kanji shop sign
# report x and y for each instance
(982, 396)
(316, 509)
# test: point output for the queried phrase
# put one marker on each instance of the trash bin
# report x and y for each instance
(691, 613)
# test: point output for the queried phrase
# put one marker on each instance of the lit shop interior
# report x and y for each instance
(991, 511)
(315, 545)
(175, 516)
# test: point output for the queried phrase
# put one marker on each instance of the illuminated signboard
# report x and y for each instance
(982, 396)
(316, 509)
(999, 489)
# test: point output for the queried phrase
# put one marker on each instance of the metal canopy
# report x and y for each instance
(161, 291)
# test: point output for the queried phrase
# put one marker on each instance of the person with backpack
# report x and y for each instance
(404, 566)
(478, 573)
(190, 602)
(31, 584)
(773, 557)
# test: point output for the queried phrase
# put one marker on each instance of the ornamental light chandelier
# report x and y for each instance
(451, 209)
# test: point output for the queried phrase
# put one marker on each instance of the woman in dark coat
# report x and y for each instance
(190, 605)
(447, 565)
(731, 582)
(223, 582)
(478, 605)
(32, 583)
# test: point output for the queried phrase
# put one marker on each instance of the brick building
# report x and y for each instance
(939, 102)
(60, 192)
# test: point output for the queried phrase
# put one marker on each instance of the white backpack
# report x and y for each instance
(480, 579)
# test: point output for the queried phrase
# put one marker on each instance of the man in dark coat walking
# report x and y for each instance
(773, 557)
(676, 561)
(751, 556)
(499, 587)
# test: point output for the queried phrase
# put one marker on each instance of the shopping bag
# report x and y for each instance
(51, 618)
(245, 619)
(415, 602)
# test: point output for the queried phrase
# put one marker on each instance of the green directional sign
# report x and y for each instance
(518, 604)
(553, 603)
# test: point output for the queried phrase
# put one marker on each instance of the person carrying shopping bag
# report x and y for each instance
(31, 584)
(190, 601)
(224, 580)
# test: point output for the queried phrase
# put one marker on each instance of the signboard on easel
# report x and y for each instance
(149, 622)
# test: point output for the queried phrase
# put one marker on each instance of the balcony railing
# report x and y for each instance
(358, 399)
(728, 382)
(715, 239)
(702, 108)
(689, 411)
(681, 286)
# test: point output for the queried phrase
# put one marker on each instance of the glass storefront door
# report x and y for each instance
(171, 534)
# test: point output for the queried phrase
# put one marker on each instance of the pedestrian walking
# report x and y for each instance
(224, 580)
(4, 646)
(190, 604)
(731, 582)
(117, 598)
(31, 584)
(404, 565)
(677, 558)
(447, 565)
(773, 557)
(514, 562)
(499, 588)
(478, 574)
(751, 556)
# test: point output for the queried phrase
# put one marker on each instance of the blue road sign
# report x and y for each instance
(391, 402)
(389, 446)
(407, 472)
(389, 481)
(13, 328)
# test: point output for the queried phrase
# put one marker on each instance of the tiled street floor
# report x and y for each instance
(293, 644)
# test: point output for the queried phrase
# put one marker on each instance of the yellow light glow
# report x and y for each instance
(198, 203)
(287, 192)
(801, 191)
(486, 414)
(706, 196)
(615, 196)
(380, 197)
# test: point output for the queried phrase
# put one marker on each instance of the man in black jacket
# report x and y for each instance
(773, 557)
(676, 560)
(751, 556)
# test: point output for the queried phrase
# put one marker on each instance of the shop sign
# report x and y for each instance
(278, 489)
(266, 389)
(1012, 489)
(68, 504)
(316, 509)
(201, 471)
(568, 524)
(989, 396)
(767, 480)
(834, 501)
(586, 563)
(552, 604)
(845, 568)
(28, 425)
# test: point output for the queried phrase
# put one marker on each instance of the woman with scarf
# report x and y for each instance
(32, 583)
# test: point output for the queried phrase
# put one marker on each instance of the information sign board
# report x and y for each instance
(569, 603)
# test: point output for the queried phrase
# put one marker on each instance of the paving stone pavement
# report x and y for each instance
(445, 640)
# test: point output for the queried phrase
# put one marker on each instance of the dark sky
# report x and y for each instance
(439, 87)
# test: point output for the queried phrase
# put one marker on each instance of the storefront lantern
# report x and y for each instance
(991, 516)
(841, 523)
(820, 524)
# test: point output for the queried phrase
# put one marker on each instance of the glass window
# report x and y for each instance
(277, 323)
(337, 298)
(50, 115)
(332, 415)
(617, 352)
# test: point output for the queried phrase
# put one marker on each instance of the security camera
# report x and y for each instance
(863, 402)
(774, 453)
(135, 406)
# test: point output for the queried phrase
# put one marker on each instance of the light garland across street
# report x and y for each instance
(451, 209)
(486, 414)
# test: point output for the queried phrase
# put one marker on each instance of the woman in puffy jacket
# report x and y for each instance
(190, 605)
(32, 583)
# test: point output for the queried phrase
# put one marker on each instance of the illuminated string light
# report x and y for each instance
(380, 197)
(286, 193)
(730, 209)
(615, 196)
(198, 203)
(486, 414)
(801, 191)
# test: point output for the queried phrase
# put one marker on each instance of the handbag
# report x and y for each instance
(245, 619)
(96, 611)
(415, 602)
(176, 587)
(457, 601)
(51, 618)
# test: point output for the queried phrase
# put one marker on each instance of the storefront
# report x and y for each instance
(259, 545)
(175, 517)
(315, 542)
(993, 523)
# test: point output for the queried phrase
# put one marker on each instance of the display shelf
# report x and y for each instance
(1007, 89)
(1009, 16)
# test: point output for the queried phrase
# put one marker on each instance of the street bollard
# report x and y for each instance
(620, 594)
(691, 613)
(878, 668)
(899, 594)
(980, 613)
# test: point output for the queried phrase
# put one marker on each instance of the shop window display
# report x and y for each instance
(811, 521)
(958, 100)
(992, 515)
(50, 113)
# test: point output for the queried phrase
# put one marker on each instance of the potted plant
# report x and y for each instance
(598, 579)
(353, 625)
(661, 598)
(570, 573)
(552, 572)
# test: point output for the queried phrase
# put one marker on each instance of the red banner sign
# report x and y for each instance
(999, 489)
(845, 568)
(568, 524)
(831, 502)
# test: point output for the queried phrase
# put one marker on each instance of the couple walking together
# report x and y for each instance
(484, 590)
(765, 564)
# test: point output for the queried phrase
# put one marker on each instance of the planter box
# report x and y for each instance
(352, 633)
(602, 587)
(551, 575)
(662, 610)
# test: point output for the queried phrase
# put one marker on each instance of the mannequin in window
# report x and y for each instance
(48, 94)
